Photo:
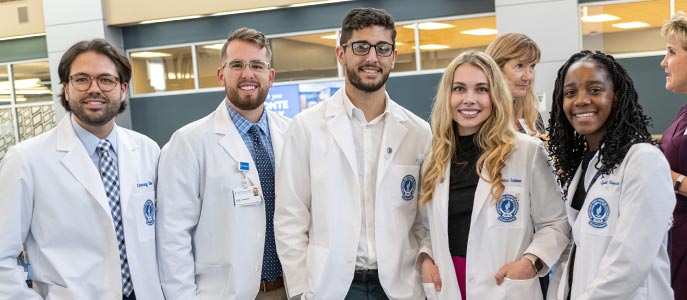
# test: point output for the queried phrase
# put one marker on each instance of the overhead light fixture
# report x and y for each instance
(430, 26)
(243, 11)
(22, 36)
(480, 31)
(316, 3)
(630, 25)
(149, 54)
(170, 19)
(599, 18)
(329, 37)
(217, 46)
(433, 47)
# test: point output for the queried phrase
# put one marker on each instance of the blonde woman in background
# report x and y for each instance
(494, 209)
(517, 55)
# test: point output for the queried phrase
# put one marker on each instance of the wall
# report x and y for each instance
(10, 18)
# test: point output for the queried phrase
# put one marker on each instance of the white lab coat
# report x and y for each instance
(318, 207)
(623, 256)
(209, 248)
(539, 228)
(52, 199)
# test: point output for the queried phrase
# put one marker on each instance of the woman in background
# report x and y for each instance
(674, 147)
(494, 210)
(517, 55)
(616, 183)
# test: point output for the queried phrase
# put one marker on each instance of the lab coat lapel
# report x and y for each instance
(79, 163)
(482, 194)
(230, 140)
(394, 133)
(340, 129)
(277, 137)
(126, 151)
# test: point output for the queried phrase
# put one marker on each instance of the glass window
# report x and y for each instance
(442, 41)
(162, 70)
(5, 97)
(6, 131)
(209, 59)
(32, 82)
(624, 28)
(405, 45)
(309, 56)
(34, 120)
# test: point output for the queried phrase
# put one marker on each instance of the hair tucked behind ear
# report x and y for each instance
(626, 125)
(496, 136)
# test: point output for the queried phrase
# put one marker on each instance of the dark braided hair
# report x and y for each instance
(626, 124)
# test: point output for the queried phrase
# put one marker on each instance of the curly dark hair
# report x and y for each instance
(360, 18)
(626, 125)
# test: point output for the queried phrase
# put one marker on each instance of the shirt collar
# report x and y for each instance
(353, 112)
(243, 125)
(89, 140)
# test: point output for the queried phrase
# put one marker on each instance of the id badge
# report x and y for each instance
(246, 196)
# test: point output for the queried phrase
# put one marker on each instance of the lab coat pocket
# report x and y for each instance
(600, 214)
(209, 280)
(509, 211)
(57, 292)
(315, 261)
(402, 185)
(522, 289)
(144, 208)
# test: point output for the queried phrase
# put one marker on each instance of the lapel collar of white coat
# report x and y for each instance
(79, 163)
(276, 136)
(340, 128)
(231, 141)
(572, 187)
(393, 135)
(482, 194)
(441, 191)
(128, 162)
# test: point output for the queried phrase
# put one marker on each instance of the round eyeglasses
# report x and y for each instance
(362, 48)
(82, 82)
(255, 65)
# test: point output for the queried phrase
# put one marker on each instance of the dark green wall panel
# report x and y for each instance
(23, 49)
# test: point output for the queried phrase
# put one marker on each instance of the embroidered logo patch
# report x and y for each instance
(149, 212)
(598, 213)
(507, 208)
(408, 187)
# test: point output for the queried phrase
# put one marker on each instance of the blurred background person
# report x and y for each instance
(674, 138)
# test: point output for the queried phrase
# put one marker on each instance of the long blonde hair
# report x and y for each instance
(509, 46)
(496, 136)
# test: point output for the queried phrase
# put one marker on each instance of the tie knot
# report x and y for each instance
(254, 130)
(104, 146)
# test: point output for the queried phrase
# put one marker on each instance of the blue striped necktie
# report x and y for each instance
(110, 177)
(271, 267)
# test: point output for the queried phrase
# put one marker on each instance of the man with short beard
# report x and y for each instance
(347, 223)
(216, 188)
(81, 197)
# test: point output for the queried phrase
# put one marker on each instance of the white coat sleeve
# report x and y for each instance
(646, 207)
(292, 208)
(178, 212)
(552, 230)
(421, 226)
(16, 207)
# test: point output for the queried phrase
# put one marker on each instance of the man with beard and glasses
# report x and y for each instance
(216, 188)
(347, 222)
(81, 196)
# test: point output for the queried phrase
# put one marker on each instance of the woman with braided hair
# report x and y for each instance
(616, 184)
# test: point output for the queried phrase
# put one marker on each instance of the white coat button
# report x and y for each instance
(259, 235)
(257, 269)
(472, 279)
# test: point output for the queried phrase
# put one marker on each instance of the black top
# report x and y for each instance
(461, 193)
(581, 191)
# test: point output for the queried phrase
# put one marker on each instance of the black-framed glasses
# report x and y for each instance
(255, 65)
(82, 82)
(363, 48)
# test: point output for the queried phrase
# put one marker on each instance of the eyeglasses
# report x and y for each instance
(82, 82)
(363, 48)
(255, 65)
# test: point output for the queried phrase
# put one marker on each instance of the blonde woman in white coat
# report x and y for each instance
(494, 208)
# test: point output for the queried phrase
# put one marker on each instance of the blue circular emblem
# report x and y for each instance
(407, 187)
(507, 208)
(598, 213)
(149, 212)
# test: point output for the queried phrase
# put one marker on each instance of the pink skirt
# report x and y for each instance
(459, 265)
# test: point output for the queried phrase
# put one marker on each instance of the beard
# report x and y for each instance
(357, 82)
(111, 110)
(246, 102)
